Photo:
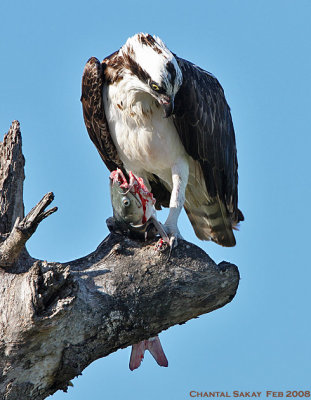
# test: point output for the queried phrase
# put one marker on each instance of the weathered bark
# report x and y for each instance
(56, 318)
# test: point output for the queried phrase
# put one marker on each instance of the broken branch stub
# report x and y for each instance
(14, 228)
(11, 178)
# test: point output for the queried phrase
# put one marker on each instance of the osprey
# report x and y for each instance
(167, 120)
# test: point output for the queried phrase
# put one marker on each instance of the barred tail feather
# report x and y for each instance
(207, 228)
(208, 216)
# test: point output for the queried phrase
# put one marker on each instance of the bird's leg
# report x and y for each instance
(180, 173)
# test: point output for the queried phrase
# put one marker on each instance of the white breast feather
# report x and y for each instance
(146, 141)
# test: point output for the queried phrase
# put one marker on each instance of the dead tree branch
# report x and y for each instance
(57, 318)
(22, 230)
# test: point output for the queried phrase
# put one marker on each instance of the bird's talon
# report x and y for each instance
(173, 234)
(173, 242)
(161, 245)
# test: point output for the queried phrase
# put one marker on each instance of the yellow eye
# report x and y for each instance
(155, 87)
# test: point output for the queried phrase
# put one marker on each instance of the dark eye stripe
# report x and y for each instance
(161, 89)
(171, 69)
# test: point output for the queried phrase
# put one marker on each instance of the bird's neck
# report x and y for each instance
(133, 103)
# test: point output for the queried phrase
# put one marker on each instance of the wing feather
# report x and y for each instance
(203, 120)
(94, 114)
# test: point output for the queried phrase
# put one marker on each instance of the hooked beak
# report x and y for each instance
(167, 104)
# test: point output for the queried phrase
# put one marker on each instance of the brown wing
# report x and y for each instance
(203, 120)
(94, 114)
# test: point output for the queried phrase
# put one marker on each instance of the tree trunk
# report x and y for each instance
(57, 318)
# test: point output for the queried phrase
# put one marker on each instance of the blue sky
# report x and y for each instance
(260, 52)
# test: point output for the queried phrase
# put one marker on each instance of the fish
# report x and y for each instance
(134, 214)
(133, 207)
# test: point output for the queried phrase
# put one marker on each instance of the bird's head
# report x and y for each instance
(152, 68)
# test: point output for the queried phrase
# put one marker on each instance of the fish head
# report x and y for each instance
(132, 203)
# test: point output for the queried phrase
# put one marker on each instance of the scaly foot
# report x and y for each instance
(173, 233)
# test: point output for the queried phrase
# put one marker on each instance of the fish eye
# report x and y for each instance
(154, 86)
(126, 201)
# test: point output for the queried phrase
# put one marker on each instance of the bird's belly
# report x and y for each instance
(152, 147)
